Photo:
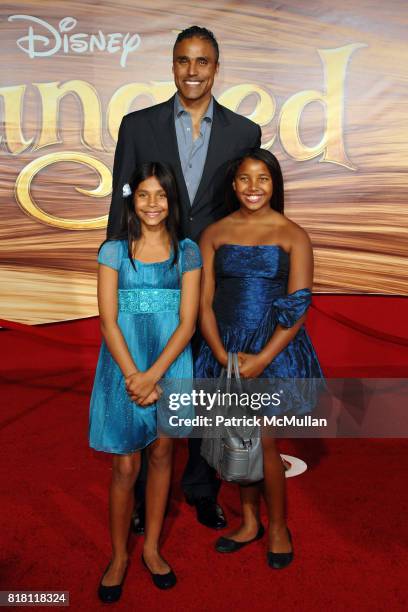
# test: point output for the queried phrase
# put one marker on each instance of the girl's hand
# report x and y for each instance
(250, 366)
(140, 385)
(150, 399)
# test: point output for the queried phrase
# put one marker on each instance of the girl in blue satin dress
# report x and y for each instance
(148, 297)
(256, 289)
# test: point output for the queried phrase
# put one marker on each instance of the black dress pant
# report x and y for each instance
(199, 479)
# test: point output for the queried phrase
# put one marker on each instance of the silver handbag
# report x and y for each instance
(236, 454)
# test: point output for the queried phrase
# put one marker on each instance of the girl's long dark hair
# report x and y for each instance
(270, 161)
(131, 227)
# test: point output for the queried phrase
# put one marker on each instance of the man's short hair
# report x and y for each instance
(196, 31)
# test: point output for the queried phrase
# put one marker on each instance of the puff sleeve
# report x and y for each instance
(110, 254)
(190, 256)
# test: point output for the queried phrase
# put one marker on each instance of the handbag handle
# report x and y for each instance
(233, 367)
(229, 366)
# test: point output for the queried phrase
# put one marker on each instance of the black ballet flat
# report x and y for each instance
(226, 545)
(111, 594)
(162, 581)
(280, 560)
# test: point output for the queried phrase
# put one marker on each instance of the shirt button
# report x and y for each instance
(190, 165)
(188, 129)
(191, 218)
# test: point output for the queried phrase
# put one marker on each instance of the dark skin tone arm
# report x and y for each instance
(300, 277)
(208, 322)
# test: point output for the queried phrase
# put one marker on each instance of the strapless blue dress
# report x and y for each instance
(148, 315)
(250, 300)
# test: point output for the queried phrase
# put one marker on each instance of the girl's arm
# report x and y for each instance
(300, 277)
(140, 385)
(208, 322)
(108, 312)
(111, 332)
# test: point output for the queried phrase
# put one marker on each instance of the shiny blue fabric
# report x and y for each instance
(250, 301)
(118, 425)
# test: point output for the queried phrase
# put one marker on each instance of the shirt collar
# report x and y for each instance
(179, 108)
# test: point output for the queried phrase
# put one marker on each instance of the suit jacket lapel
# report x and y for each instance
(166, 139)
(214, 146)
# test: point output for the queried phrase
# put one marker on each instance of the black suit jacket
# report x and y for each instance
(150, 135)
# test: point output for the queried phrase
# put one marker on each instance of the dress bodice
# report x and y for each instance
(248, 280)
(268, 261)
(162, 274)
(157, 275)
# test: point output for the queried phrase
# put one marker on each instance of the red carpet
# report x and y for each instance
(347, 513)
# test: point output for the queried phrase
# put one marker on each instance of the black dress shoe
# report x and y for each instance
(111, 594)
(137, 522)
(209, 513)
(226, 545)
(280, 560)
(162, 581)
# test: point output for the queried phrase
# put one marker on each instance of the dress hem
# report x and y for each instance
(117, 452)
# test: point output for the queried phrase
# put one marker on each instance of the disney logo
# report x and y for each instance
(51, 40)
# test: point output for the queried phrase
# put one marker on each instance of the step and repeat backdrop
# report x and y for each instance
(326, 81)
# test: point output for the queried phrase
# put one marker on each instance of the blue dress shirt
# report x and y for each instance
(193, 153)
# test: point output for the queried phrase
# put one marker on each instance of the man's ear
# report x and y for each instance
(233, 186)
(217, 68)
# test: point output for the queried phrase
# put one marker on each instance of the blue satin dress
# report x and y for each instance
(250, 300)
(148, 315)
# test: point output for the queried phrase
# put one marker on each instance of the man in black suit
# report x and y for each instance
(198, 137)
